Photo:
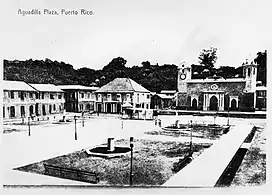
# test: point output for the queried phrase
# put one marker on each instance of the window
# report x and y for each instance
(21, 95)
(118, 97)
(128, 97)
(82, 95)
(30, 95)
(81, 107)
(249, 72)
(138, 96)
(51, 96)
(89, 95)
(109, 97)
(147, 96)
(54, 107)
(12, 94)
(42, 95)
(59, 96)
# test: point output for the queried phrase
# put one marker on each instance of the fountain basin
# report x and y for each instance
(104, 152)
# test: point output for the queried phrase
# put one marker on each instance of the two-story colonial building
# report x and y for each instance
(18, 99)
(119, 93)
(49, 99)
(79, 98)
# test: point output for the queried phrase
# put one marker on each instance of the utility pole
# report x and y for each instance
(75, 128)
(131, 152)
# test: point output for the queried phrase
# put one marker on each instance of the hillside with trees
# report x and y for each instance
(153, 77)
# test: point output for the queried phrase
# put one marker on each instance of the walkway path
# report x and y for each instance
(205, 170)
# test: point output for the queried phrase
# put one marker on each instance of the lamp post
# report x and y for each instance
(191, 136)
(75, 127)
(131, 152)
(28, 126)
(228, 116)
(82, 119)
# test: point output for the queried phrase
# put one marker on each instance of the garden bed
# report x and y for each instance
(198, 130)
(154, 162)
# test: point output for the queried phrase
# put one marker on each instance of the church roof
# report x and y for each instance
(122, 85)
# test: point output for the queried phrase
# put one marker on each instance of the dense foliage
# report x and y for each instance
(153, 77)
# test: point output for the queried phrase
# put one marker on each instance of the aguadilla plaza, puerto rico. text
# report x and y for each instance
(55, 12)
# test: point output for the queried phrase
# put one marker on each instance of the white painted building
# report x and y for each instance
(19, 99)
(50, 99)
(120, 92)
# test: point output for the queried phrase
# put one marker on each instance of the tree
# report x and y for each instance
(261, 60)
(207, 57)
(146, 64)
(116, 64)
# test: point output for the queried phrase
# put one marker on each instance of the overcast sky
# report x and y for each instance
(169, 31)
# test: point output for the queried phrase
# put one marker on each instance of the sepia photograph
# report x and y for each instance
(134, 94)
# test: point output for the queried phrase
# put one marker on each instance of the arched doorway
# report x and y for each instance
(37, 109)
(12, 111)
(213, 103)
(233, 104)
(50, 109)
(118, 108)
(108, 108)
(31, 110)
(22, 111)
(194, 104)
(99, 108)
(43, 110)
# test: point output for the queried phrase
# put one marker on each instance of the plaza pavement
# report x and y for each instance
(51, 140)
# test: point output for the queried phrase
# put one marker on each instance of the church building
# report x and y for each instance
(217, 93)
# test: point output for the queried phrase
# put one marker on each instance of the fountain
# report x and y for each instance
(108, 150)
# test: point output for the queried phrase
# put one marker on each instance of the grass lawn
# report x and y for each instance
(252, 171)
(199, 131)
(154, 162)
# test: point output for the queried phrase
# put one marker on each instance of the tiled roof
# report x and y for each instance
(46, 87)
(16, 86)
(122, 85)
(77, 87)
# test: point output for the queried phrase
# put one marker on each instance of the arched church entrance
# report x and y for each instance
(233, 104)
(194, 104)
(213, 103)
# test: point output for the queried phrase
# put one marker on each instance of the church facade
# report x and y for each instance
(217, 93)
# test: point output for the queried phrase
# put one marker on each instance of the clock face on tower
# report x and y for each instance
(182, 76)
